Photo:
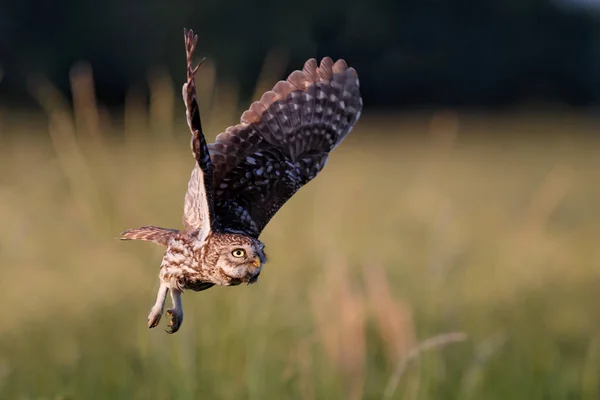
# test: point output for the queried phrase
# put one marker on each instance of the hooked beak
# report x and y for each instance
(256, 263)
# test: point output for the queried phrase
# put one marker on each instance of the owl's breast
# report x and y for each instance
(182, 267)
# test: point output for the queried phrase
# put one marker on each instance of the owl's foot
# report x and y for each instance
(154, 318)
(175, 320)
(175, 314)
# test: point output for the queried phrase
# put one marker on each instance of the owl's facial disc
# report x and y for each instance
(242, 258)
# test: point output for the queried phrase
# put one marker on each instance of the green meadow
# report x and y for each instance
(439, 255)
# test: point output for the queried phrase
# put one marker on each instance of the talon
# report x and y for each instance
(154, 318)
(175, 320)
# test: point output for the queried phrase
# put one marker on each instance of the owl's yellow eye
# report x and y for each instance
(238, 253)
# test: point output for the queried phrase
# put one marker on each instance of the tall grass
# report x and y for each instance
(437, 256)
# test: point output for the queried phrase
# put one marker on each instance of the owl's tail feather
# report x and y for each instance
(154, 234)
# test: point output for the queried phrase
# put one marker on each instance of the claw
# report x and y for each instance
(154, 318)
(175, 320)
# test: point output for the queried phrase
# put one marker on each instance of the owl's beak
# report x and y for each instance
(256, 262)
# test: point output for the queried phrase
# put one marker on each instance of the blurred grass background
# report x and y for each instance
(482, 228)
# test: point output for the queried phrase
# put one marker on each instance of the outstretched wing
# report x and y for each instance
(282, 142)
(198, 206)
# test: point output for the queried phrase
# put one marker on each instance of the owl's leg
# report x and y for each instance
(176, 313)
(158, 308)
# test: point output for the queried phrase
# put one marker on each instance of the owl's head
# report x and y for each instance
(239, 257)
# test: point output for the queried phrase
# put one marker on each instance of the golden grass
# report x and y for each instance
(418, 226)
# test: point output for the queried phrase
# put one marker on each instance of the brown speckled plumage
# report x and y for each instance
(242, 179)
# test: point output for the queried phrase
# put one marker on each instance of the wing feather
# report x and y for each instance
(198, 209)
(155, 234)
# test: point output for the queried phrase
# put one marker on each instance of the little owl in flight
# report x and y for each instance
(242, 179)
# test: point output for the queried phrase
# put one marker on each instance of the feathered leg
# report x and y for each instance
(158, 308)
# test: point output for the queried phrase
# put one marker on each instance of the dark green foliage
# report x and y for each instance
(493, 52)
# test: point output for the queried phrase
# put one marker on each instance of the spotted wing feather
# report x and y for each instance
(199, 203)
(160, 236)
(282, 142)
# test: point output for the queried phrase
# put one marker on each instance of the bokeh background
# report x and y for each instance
(449, 250)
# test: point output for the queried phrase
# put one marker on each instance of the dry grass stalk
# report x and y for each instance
(428, 181)
(273, 67)
(136, 118)
(340, 318)
(162, 102)
(547, 198)
(300, 366)
(433, 343)
(531, 239)
(444, 126)
(226, 100)
(87, 118)
(393, 318)
(73, 162)
(484, 351)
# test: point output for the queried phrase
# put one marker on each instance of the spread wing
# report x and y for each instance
(198, 205)
(282, 142)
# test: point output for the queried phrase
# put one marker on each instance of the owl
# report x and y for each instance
(241, 180)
